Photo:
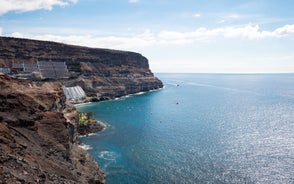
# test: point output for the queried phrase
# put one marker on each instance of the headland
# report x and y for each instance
(38, 125)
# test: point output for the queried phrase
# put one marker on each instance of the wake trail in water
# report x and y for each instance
(222, 87)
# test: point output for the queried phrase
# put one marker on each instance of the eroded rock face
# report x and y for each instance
(37, 143)
(102, 73)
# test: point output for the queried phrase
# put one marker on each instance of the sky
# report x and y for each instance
(182, 36)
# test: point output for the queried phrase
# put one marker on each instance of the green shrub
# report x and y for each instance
(85, 118)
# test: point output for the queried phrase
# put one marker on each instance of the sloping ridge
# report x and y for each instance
(37, 142)
(102, 73)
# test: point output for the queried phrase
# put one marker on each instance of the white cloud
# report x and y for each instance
(17, 35)
(285, 30)
(1, 30)
(115, 42)
(197, 15)
(221, 21)
(149, 38)
(31, 5)
(134, 1)
(248, 32)
(233, 16)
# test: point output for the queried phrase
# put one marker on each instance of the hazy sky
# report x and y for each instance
(205, 36)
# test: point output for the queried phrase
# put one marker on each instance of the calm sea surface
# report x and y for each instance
(201, 128)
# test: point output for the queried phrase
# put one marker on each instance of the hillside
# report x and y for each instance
(102, 73)
(38, 136)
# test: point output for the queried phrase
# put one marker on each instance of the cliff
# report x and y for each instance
(102, 73)
(37, 142)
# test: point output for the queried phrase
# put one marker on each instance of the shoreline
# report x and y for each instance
(137, 94)
(100, 123)
(119, 98)
(92, 128)
(82, 103)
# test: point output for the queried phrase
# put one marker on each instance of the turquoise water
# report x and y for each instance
(201, 128)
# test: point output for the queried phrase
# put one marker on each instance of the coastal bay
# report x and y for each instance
(199, 128)
(34, 106)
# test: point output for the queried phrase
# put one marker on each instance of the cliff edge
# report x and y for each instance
(38, 127)
(37, 142)
(102, 73)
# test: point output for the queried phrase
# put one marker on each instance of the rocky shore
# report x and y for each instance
(38, 127)
(91, 128)
(38, 132)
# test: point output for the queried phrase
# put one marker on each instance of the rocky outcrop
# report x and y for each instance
(102, 73)
(37, 143)
(90, 128)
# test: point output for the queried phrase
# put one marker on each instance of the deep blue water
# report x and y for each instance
(201, 128)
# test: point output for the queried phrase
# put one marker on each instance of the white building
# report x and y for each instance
(5, 70)
(74, 93)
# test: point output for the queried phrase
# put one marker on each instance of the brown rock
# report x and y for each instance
(36, 141)
(102, 73)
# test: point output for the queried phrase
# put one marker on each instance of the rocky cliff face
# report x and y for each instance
(37, 143)
(102, 73)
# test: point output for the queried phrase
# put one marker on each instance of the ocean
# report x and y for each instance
(200, 128)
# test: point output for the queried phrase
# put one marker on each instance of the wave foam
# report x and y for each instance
(88, 135)
(107, 155)
(85, 147)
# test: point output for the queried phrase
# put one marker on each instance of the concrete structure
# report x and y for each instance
(5, 70)
(52, 69)
(74, 93)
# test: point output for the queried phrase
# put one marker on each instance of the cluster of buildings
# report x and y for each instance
(46, 70)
